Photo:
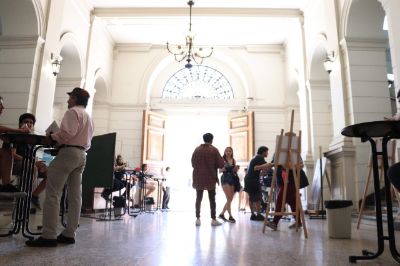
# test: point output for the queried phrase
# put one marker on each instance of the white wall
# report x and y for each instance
(18, 42)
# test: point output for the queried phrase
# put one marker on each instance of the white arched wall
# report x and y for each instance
(320, 104)
(19, 41)
(363, 46)
(165, 66)
(137, 85)
(101, 110)
(69, 39)
(40, 15)
(320, 109)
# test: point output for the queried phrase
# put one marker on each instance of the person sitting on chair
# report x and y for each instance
(6, 161)
(118, 180)
(148, 185)
(28, 120)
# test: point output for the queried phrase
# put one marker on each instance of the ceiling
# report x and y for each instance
(214, 22)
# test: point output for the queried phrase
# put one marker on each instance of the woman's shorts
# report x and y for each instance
(227, 179)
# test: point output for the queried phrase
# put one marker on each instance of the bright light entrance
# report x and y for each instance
(184, 132)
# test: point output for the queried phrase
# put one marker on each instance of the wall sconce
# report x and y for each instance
(328, 63)
(56, 63)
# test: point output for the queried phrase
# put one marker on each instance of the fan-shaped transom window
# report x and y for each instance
(198, 82)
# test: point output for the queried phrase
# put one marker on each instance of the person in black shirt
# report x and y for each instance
(252, 183)
(118, 181)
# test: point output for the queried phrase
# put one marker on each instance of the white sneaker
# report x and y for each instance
(215, 222)
(198, 222)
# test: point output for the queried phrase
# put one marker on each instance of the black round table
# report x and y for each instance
(367, 132)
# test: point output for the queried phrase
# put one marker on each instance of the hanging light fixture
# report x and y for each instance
(56, 63)
(328, 62)
(189, 51)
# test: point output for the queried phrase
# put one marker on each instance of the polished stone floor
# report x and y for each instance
(171, 238)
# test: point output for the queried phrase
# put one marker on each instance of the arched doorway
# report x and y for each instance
(199, 101)
(368, 65)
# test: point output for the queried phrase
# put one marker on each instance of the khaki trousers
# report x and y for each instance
(66, 168)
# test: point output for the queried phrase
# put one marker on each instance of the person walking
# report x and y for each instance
(166, 187)
(206, 160)
(228, 180)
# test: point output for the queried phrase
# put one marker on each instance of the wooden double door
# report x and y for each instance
(240, 130)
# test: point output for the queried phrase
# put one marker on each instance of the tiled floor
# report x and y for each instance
(171, 238)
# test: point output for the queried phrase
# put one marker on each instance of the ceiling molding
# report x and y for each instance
(263, 48)
(19, 42)
(199, 12)
(137, 47)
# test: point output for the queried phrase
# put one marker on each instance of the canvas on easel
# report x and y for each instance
(315, 205)
(287, 155)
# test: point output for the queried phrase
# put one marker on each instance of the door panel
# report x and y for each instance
(153, 140)
(241, 137)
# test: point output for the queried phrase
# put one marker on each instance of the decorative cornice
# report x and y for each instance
(61, 82)
(319, 82)
(364, 44)
(262, 48)
(19, 42)
(257, 48)
(220, 12)
(118, 107)
(142, 47)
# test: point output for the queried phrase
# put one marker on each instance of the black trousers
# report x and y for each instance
(117, 185)
(211, 197)
(394, 175)
(166, 196)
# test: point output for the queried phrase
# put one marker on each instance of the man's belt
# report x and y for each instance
(72, 146)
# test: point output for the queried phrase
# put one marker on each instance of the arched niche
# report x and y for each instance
(100, 111)
(70, 75)
(365, 20)
(367, 55)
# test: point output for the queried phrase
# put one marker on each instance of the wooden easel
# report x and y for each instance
(318, 203)
(391, 160)
(288, 156)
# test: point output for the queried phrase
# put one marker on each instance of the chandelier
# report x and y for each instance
(189, 51)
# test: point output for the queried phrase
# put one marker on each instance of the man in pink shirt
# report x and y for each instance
(206, 160)
(73, 139)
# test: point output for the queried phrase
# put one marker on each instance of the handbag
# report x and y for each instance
(236, 183)
(303, 179)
